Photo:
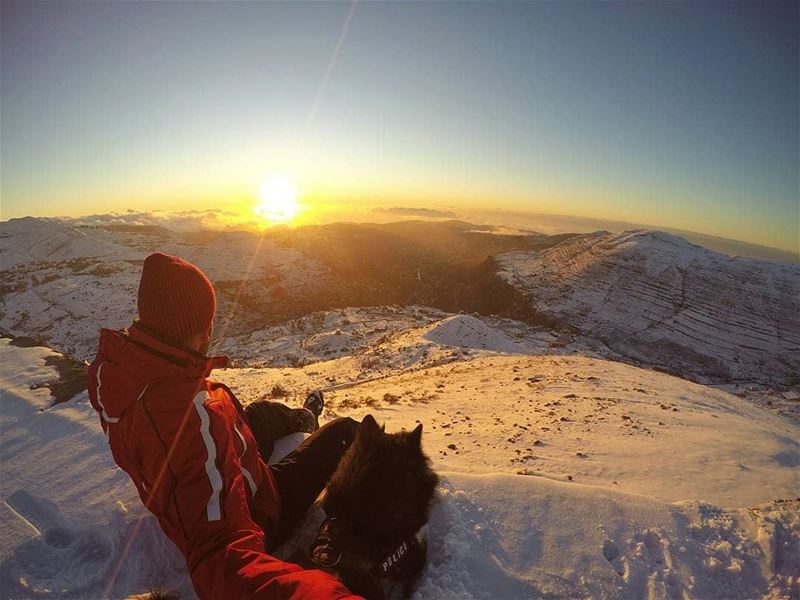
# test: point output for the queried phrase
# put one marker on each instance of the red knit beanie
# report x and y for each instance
(176, 299)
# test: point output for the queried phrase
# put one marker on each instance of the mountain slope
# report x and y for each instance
(599, 422)
(31, 240)
(656, 298)
(61, 284)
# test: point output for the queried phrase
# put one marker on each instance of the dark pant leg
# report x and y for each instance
(303, 473)
(272, 420)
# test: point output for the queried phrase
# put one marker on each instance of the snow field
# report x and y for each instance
(501, 528)
(578, 477)
(571, 418)
(501, 536)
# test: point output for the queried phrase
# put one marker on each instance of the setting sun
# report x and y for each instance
(278, 199)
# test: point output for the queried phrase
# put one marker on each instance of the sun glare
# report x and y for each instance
(278, 199)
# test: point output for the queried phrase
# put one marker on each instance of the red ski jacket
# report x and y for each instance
(185, 443)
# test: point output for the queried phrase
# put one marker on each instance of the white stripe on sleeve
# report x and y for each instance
(100, 401)
(214, 477)
(246, 473)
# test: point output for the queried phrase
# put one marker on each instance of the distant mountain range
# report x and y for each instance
(554, 224)
(649, 297)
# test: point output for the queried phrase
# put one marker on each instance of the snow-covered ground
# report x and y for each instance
(500, 536)
(562, 476)
(324, 335)
(567, 418)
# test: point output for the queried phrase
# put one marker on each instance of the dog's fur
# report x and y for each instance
(380, 495)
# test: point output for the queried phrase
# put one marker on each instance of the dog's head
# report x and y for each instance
(381, 491)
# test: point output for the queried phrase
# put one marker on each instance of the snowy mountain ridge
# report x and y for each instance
(650, 297)
(37, 240)
(655, 298)
(61, 284)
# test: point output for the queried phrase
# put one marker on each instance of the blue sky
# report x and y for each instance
(680, 114)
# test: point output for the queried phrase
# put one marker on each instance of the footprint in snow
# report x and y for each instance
(612, 555)
(63, 558)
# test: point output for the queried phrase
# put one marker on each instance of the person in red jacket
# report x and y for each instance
(185, 442)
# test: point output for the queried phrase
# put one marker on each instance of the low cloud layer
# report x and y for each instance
(407, 211)
(190, 220)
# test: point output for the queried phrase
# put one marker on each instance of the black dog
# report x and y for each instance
(377, 501)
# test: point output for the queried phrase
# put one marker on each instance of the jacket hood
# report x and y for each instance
(131, 361)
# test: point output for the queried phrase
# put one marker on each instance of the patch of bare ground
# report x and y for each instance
(71, 373)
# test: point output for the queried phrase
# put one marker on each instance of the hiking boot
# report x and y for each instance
(309, 414)
(314, 403)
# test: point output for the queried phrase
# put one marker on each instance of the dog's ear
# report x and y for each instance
(369, 427)
(416, 435)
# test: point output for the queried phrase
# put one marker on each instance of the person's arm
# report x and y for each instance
(225, 548)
